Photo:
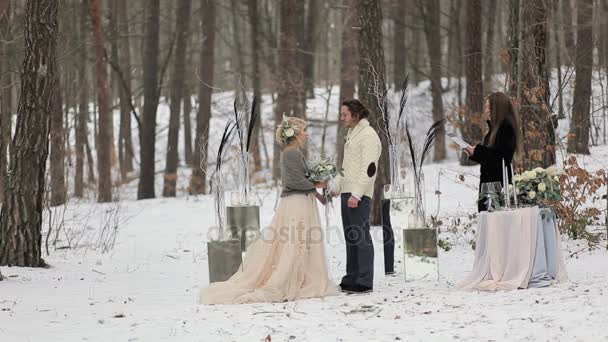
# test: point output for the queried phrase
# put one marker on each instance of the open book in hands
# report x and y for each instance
(463, 144)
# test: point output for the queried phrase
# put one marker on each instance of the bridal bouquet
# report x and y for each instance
(535, 187)
(323, 170)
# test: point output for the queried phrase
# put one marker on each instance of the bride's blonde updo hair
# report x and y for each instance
(288, 130)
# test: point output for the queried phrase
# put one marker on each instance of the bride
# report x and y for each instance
(288, 261)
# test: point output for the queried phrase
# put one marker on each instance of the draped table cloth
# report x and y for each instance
(515, 249)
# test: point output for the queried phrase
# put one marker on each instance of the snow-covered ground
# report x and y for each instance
(146, 287)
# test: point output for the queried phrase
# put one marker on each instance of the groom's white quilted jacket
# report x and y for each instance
(361, 153)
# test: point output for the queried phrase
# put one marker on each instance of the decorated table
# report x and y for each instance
(516, 249)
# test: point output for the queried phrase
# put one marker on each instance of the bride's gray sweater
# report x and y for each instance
(293, 173)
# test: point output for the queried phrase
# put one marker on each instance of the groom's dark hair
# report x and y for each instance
(356, 108)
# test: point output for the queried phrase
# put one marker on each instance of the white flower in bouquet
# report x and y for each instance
(517, 178)
(532, 195)
(322, 170)
(554, 171)
(542, 187)
(532, 175)
(539, 170)
(289, 132)
(556, 178)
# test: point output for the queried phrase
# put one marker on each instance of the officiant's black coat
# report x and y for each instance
(490, 156)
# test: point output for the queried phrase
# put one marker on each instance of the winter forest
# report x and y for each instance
(136, 137)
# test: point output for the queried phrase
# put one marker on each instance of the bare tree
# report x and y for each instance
(491, 24)
(121, 55)
(371, 55)
(537, 123)
(104, 142)
(21, 220)
(289, 74)
(177, 86)
(310, 47)
(150, 68)
(254, 22)
(568, 29)
(5, 94)
(349, 57)
(580, 125)
(473, 69)
(399, 51)
(58, 188)
(431, 14)
(198, 180)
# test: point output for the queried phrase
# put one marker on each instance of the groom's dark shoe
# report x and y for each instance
(357, 289)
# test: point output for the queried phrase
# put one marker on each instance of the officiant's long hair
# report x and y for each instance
(502, 111)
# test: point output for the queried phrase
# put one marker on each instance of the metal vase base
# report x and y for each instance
(421, 262)
(244, 223)
(225, 258)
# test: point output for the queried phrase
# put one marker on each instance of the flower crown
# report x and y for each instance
(289, 131)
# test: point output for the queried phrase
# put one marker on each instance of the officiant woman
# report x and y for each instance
(502, 141)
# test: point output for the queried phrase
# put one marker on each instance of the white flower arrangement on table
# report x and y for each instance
(536, 187)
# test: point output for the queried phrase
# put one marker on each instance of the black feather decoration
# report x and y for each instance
(403, 99)
(253, 118)
(237, 123)
(228, 131)
(430, 139)
(410, 143)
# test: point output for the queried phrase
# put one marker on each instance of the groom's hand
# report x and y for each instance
(353, 202)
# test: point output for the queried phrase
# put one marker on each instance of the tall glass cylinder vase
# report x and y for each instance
(395, 159)
(421, 260)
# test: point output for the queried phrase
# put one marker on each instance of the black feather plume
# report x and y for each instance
(237, 123)
(253, 118)
(403, 100)
(430, 139)
(410, 143)
(228, 131)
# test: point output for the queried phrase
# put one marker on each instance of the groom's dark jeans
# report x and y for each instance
(359, 246)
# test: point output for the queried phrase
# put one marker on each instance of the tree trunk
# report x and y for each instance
(491, 22)
(122, 56)
(21, 220)
(568, 29)
(5, 95)
(513, 43)
(104, 142)
(256, 80)
(310, 48)
(58, 190)
(187, 99)
(289, 75)
(237, 53)
(432, 28)
(369, 17)
(399, 51)
(80, 129)
(473, 69)
(349, 58)
(198, 181)
(578, 137)
(150, 69)
(177, 89)
(558, 58)
(537, 124)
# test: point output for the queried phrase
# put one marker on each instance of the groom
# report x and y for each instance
(361, 153)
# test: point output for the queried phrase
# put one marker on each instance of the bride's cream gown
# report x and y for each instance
(286, 263)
